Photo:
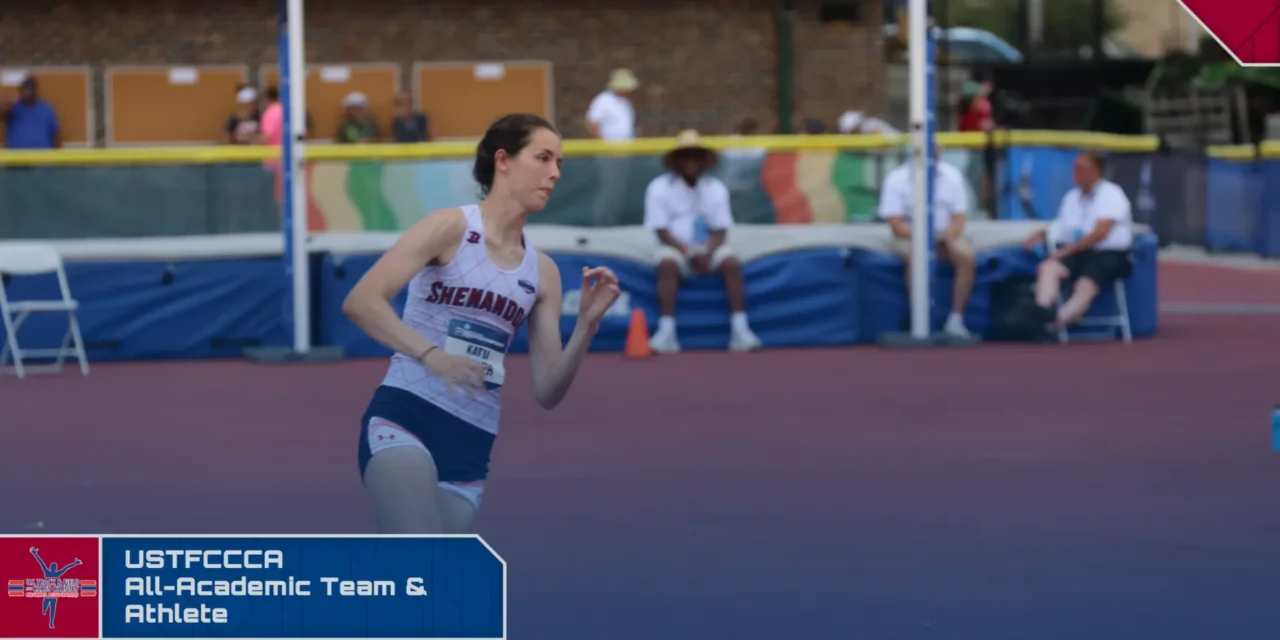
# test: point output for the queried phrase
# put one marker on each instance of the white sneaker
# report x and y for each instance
(955, 327)
(664, 342)
(744, 340)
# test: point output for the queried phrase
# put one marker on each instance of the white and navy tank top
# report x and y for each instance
(471, 308)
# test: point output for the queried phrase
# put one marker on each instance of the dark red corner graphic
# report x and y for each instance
(1249, 29)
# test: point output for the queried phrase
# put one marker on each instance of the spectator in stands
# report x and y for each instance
(271, 124)
(740, 166)
(243, 126)
(975, 108)
(611, 117)
(358, 125)
(857, 122)
(241, 86)
(949, 214)
(977, 115)
(1090, 243)
(689, 210)
(409, 124)
(814, 127)
(30, 122)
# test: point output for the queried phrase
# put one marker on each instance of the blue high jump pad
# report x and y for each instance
(814, 297)
(801, 298)
(213, 297)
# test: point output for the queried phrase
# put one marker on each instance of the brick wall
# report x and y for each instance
(704, 64)
(839, 66)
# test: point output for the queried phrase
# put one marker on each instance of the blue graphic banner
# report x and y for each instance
(302, 587)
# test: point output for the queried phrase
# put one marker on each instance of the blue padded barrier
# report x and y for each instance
(149, 310)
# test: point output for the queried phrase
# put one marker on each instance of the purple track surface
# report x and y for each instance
(1091, 491)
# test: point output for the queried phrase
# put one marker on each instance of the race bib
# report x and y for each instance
(481, 343)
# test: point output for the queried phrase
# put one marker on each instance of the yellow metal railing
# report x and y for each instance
(577, 148)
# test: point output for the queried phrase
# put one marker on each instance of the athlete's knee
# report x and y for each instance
(730, 266)
(1051, 269)
(961, 255)
(1085, 286)
(670, 271)
(668, 266)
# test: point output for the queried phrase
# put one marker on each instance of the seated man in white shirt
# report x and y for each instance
(678, 205)
(1090, 242)
(950, 204)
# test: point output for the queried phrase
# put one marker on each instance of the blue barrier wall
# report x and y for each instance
(1043, 173)
(148, 310)
(1233, 214)
(1268, 229)
(1222, 205)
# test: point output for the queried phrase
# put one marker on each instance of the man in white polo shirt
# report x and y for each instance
(950, 207)
(612, 118)
(1089, 241)
(611, 115)
(689, 211)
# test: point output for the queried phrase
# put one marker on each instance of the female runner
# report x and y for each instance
(473, 279)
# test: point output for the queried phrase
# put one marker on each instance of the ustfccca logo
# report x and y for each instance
(52, 588)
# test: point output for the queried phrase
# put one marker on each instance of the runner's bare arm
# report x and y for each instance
(554, 366)
(434, 239)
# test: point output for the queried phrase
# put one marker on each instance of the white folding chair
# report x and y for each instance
(30, 260)
(1117, 321)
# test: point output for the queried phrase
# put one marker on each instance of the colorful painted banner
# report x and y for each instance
(782, 188)
(1171, 193)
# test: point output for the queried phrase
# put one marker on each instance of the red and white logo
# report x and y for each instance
(53, 587)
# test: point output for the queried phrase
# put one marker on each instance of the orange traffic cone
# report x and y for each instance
(638, 336)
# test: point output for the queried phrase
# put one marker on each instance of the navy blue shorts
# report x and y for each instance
(460, 449)
(1102, 266)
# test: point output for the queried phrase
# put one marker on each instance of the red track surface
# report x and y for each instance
(1200, 283)
(1095, 490)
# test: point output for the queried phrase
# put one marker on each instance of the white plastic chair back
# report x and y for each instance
(29, 259)
(33, 259)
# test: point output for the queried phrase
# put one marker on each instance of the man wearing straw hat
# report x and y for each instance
(611, 115)
(689, 211)
(612, 118)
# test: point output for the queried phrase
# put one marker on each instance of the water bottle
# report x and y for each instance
(1275, 428)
